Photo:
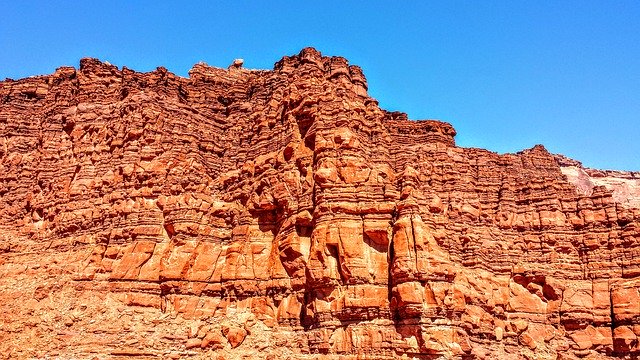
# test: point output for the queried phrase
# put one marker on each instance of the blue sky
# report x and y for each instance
(507, 74)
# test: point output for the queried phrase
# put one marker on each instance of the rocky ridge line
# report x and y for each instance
(282, 214)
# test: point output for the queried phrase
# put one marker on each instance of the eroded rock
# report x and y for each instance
(283, 214)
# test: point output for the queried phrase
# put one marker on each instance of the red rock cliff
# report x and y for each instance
(282, 214)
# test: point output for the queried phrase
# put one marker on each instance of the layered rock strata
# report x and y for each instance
(282, 214)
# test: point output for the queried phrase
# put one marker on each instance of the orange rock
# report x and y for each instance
(235, 335)
(214, 340)
(135, 206)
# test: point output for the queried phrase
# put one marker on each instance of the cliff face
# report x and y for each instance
(282, 214)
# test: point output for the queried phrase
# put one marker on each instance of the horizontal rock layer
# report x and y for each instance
(282, 214)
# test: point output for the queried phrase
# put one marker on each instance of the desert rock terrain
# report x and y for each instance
(282, 214)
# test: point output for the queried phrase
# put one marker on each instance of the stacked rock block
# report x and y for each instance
(250, 213)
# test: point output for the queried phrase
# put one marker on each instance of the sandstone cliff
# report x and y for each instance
(283, 215)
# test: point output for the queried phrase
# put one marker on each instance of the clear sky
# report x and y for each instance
(507, 74)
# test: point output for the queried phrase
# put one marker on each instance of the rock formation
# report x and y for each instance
(282, 214)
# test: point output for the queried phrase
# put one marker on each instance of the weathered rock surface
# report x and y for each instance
(283, 215)
(624, 185)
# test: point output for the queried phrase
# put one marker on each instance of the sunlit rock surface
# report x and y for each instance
(283, 215)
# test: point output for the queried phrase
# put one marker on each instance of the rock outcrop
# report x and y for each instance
(283, 215)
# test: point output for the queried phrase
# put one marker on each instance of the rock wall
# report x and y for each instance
(282, 214)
